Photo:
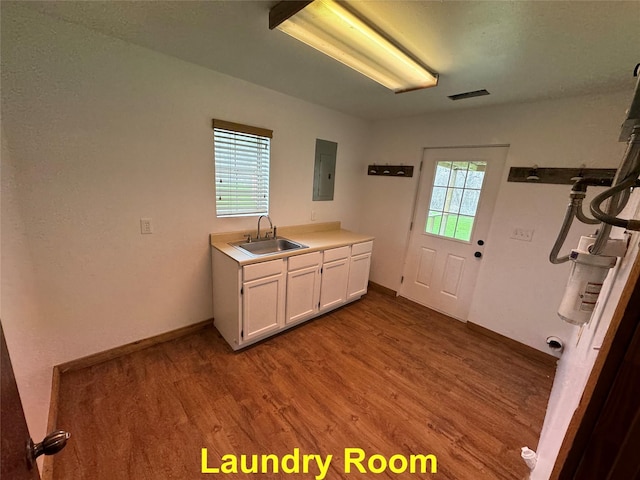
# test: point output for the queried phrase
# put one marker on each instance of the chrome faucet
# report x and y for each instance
(270, 225)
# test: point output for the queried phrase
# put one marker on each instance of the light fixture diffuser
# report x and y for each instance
(332, 29)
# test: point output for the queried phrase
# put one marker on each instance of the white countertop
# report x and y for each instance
(328, 236)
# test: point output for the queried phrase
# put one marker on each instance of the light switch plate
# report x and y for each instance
(522, 234)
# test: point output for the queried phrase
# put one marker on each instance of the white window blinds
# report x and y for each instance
(241, 168)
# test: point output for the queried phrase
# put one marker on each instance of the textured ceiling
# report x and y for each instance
(518, 51)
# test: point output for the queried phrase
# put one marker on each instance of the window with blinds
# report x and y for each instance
(241, 155)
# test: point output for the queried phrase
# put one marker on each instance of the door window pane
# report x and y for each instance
(474, 179)
(459, 173)
(443, 171)
(438, 196)
(454, 199)
(470, 200)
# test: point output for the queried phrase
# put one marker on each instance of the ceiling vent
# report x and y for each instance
(475, 93)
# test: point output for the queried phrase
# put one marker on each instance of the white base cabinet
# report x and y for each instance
(303, 287)
(263, 299)
(359, 266)
(253, 302)
(335, 275)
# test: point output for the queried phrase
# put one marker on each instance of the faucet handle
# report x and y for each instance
(248, 235)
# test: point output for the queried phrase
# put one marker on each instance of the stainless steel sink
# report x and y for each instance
(268, 247)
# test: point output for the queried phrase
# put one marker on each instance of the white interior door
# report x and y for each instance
(455, 201)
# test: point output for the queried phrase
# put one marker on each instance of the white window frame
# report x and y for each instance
(242, 156)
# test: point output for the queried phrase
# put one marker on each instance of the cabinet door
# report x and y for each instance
(358, 275)
(335, 276)
(303, 293)
(262, 306)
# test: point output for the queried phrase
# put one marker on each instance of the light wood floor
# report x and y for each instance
(382, 374)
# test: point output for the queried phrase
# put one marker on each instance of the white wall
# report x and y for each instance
(580, 354)
(101, 133)
(518, 290)
(97, 133)
(19, 303)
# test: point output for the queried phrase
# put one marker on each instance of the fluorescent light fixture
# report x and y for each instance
(329, 27)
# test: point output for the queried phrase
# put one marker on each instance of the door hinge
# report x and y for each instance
(401, 280)
(420, 166)
(241, 333)
(241, 290)
(321, 269)
(411, 226)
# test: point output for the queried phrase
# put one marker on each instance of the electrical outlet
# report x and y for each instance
(145, 226)
(522, 234)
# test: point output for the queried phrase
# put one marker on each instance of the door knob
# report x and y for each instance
(477, 254)
(50, 445)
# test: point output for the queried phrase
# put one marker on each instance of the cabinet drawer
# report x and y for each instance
(303, 261)
(359, 248)
(263, 269)
(336, 253)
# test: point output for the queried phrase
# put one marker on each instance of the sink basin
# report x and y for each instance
(268, 247)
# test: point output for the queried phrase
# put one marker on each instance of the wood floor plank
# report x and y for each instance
(382, 374)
